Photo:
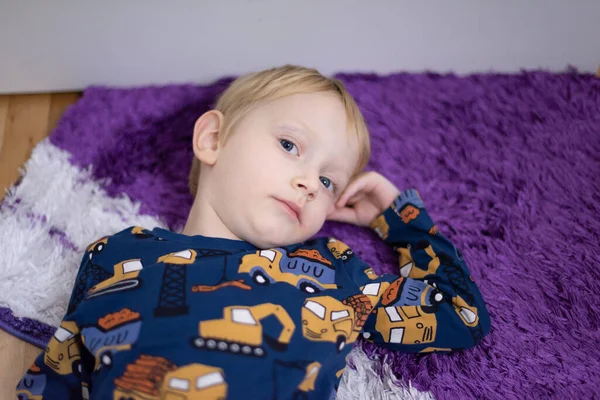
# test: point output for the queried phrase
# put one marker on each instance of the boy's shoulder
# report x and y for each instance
(124, 239)
(131, 232)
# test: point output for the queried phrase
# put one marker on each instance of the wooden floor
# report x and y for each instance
(24, 121)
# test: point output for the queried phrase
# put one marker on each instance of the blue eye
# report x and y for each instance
(288, 146)
(328, 184)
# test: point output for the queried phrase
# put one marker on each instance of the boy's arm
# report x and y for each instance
(434, 305)
(61, 370)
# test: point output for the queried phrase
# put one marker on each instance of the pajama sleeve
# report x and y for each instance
(434, 305)
(61, 371)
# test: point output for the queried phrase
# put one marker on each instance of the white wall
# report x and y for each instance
(70, 44)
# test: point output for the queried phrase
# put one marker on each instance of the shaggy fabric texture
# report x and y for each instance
(508, 166)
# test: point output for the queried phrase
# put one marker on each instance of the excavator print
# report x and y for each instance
(240, 331)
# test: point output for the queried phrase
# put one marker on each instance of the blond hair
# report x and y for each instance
(246, 92)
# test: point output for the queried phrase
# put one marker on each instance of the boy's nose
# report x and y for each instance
(306, 186)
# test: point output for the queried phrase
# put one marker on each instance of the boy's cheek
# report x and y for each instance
(331, 209)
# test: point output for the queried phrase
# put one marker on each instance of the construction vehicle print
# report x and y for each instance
(405, 325)
(172, 298)
(308, 383)
(32, 385)
(339, 249)
(213, 288)
(436, 349)
(125, 277)
(114, 332)
(62, 353)
(286, 371)
(140, 233)
(240, 330)
(326, 319)
(85, 391)
(89, 272)
(183, 257)
(153, 378)
(456, 276)
(407, 265)
(194, 381)
(307, 270)
(409, 213)
(97, 247)
(374, 291)
(381, 227)
(371, 274)
(408, 205)
(143, 379)
(404, 292)
(467, 313)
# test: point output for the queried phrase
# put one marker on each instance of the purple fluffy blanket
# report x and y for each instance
(508, 165)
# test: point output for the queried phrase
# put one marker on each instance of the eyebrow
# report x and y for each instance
(304, 129)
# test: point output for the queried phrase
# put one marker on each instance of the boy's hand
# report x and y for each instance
(367, 196)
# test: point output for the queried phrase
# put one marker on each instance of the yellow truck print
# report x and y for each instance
(125, 277)
(154, 378)
(62, 353)
(404, 292)
(307, 270)
(407, 266)
(115, 332)
(381, 227)
(326, 319)
(467, 313)
(194, 381)
(407, 312)
(371, 274)
(240, 330)
(406, 325)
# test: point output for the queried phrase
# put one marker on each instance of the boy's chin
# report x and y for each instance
(278, 236)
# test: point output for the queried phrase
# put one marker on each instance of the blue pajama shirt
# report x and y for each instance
(160, 315)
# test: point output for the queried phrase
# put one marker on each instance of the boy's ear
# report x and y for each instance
(206, 136)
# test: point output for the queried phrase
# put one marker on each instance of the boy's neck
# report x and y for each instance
(203, 220)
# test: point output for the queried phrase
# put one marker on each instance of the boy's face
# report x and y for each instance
(295, 150)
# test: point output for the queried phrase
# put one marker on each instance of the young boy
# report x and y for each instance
(244, 304)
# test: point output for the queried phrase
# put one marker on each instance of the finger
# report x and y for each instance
(354, 199)
(359, 184)
(344, 214)
(350, 191)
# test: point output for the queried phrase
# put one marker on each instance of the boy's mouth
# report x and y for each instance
(292, 208)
